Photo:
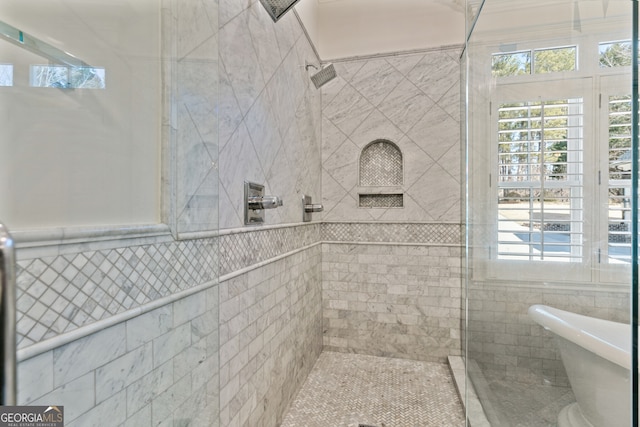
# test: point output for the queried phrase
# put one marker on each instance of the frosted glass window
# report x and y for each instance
(6, 75)
(49, 76)
(59, 76)
(87, 78)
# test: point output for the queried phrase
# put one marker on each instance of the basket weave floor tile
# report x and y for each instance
(350, 390)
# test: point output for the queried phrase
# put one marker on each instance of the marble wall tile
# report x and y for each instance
(451, 102)
(201, 211)
(332, 138)
(348, 109)
(332, 88)
(270, 337)
(229, 114)
(229, 9)
(123, 371)
(437, 191)
(141, 393)
(397, 304)
(288, 31)
(168, 345)
(437, 131)
(405, 63)
(299, 82)
(147, 326)
(342, 165)
(35, 377)
(375, 126)
(196, 22)
(375, 80)
(192, 115)
(282, 100)
(405, 105)
(142, 418)
(164, 405)
(264, 40)
(240, 61)
(347, 69)
(263, 131)
(346, 209)
(195, 152)
(272, 136)
(435, 74)
(416, 161)
(82, 356)
(188, 308)
(112, 409)
(233, 173)
(77, 396)
(332, 193)
(397, 106)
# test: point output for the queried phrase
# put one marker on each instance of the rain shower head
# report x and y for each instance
(323, 76)
(277, 8)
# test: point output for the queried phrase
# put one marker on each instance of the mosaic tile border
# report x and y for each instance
(246, 248)
(425, 233)
(61, 293)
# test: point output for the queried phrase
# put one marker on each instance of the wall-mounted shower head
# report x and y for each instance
(277, 8)
(323, 76)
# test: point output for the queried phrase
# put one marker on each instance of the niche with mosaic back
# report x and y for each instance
(381, 176)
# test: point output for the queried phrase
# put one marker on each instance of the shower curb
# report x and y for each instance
(470, 402)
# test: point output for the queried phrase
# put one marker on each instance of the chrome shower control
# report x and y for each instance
(313, 208)
(255, 202)
(308, 208)
(266, 202)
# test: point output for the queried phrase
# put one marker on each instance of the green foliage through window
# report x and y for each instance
(554, 60)
(544, 61)
(615, 54)
(511, 64)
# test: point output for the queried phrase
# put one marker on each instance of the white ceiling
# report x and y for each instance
(348, 28)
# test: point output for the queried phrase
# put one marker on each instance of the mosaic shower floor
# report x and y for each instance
(351, 390)
(524, 405)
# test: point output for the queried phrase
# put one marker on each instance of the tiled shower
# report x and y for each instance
(193, 318)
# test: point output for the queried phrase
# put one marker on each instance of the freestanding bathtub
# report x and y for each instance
(597, 357)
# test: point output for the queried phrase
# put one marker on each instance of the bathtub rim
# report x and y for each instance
(587, 332)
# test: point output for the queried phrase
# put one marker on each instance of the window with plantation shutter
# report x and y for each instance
(540, 180)
(619, 180)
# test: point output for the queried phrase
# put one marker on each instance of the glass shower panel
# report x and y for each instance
(549, 211)
(108, 184)
(81, 103)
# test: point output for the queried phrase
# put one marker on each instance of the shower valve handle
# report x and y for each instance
(266, 202)
(313, 208)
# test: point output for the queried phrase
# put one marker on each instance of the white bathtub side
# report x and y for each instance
(609, 340)
(601, 387)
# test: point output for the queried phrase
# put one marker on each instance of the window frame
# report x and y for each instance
(549, 89)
